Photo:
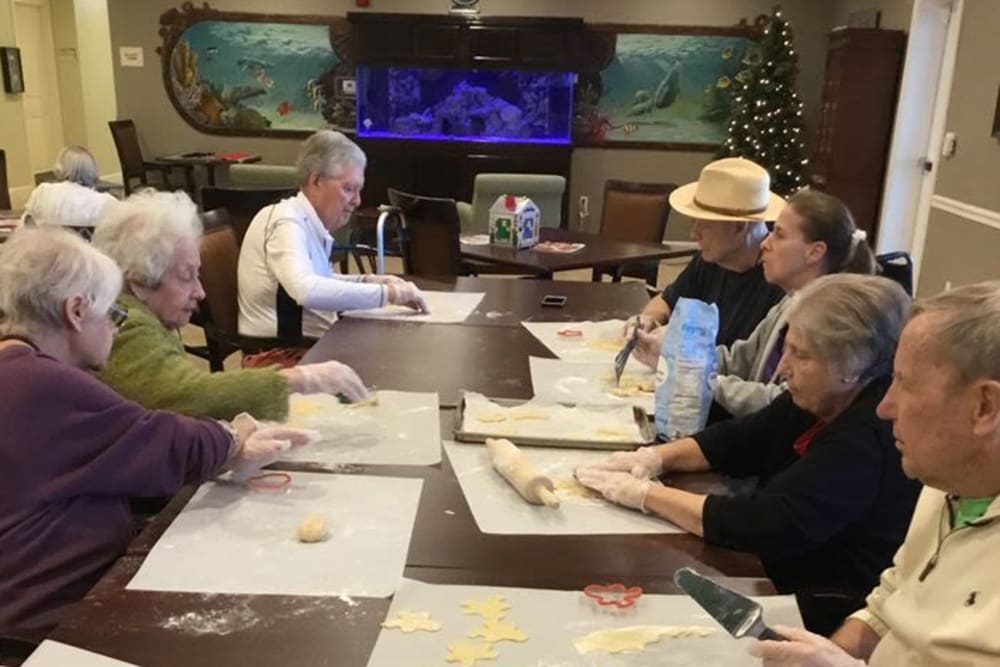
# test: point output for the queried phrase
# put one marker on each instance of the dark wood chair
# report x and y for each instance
(897, 265)
(242, 203)
(429, 234)
(218, 312)
(133, 165)
(635, 212)
(4, 188)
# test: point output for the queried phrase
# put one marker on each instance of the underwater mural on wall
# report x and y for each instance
(664, 89)
(258, 75)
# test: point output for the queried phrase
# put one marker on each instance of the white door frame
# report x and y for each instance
(918, 183)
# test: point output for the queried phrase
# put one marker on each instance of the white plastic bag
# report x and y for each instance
(684, 397)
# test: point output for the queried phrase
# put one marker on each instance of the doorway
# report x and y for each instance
(918, 132)
(42, 117)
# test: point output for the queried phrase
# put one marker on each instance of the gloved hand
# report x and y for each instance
(382, 279)
(618, 487)
(643, 463)
(647, 349)
(331, 377)
(804, 649)
(407, 294)
(644, 322)
(255, 447)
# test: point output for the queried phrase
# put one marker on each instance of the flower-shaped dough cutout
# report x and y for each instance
(492, 608)
(494, 630)
(411, 621)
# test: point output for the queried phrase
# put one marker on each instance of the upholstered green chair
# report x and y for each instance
(546, 190)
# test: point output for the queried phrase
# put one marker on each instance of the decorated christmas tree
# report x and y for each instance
(766, 121)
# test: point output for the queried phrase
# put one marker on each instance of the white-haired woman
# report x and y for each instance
(833, 504)
(153, 236)
(71, 201)
(73, 451)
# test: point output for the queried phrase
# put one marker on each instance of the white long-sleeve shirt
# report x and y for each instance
(287, 245)
(65, 204)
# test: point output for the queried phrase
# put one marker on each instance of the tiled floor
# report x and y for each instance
(669, 269)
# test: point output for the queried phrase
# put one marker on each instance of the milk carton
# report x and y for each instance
(514, 222)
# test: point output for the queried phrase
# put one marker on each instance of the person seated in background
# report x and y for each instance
(832, 503)
(73, 451)
(284, 264)
(814, 235)
(71, 201)
(937, 603)
(153, 237)
(729, 203)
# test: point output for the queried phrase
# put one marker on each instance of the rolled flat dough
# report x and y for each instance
(635, 638)
(467, 653)
(313, 529)
(411, 621)
(369, 402)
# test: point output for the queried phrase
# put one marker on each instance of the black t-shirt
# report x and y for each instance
(743, 298)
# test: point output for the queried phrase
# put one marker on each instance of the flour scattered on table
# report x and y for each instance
(411, 621)
(635, 638)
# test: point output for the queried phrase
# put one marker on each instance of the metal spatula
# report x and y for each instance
(738, 614)
(623, 354)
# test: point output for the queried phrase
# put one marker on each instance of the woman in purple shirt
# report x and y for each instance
(72, 450)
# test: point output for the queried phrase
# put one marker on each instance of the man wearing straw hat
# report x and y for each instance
(729, 204)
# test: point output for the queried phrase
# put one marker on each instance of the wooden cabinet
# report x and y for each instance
(863, 67)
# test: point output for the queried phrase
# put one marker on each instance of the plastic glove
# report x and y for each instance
(643, 463)
(647, 348)
(408, 294)
(381, 279)
(804, 649)
(644, 322)
(263, 447)
(618, 487)
(331, 377)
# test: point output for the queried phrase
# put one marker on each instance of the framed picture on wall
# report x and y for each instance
(13, 77)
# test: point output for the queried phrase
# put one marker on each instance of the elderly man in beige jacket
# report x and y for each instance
(940, 601)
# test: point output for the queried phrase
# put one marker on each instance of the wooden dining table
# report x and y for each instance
(487, 352)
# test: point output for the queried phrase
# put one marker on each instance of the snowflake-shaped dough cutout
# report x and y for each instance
(411, 621)
(467, 653)
(495, 630)
(492, 608)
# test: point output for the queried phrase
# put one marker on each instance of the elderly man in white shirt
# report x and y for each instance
(285, 256)
(72, 201)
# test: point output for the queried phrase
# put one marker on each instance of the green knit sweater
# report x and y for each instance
(148, 365)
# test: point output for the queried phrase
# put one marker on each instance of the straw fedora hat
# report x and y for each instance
(729, 189)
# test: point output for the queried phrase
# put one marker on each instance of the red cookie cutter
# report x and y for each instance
(570, 333)
(270, 481)
(613, 595)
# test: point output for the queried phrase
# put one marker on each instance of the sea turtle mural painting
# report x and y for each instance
(259, 77)
(664, 89)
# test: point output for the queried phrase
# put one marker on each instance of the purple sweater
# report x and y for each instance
(71, 452)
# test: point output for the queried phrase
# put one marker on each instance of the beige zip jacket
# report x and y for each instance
(939, 603)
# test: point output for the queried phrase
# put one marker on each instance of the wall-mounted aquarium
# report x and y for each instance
(464, 105)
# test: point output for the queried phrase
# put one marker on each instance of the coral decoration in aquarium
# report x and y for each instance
(465, 105)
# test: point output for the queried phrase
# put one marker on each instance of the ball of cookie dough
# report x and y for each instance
(313, 529)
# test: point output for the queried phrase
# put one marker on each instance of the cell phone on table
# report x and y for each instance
(553, 301)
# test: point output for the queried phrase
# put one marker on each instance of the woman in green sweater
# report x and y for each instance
(153, 236)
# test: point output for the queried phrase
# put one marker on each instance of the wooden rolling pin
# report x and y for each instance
(520, 473)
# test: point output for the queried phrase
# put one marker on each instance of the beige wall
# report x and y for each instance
(895, 13)
(141, 93)
(960, 250)
(12, 137)
(93, 36)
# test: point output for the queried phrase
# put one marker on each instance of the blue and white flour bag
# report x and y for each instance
(689, 359)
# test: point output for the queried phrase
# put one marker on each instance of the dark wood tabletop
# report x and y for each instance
(158, 628)
(599, 252)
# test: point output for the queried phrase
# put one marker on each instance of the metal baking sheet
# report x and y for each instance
(404, 428)
(568, 424)
(498, 509)
(553, 620)
(233, 539)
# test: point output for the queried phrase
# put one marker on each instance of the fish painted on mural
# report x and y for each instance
(284, 108)
(727, 53)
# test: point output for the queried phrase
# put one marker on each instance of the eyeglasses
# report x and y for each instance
(117, 315)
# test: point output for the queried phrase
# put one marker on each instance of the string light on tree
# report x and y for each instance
(766, 117)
